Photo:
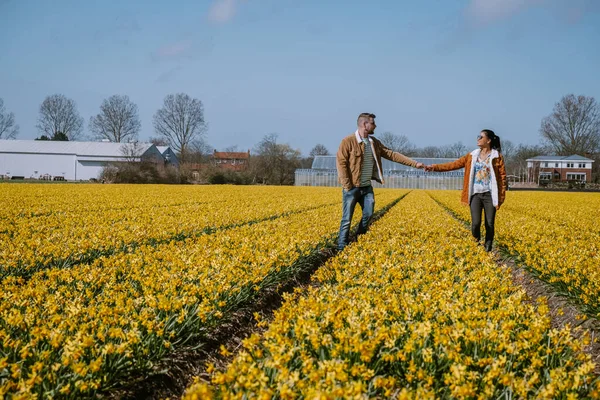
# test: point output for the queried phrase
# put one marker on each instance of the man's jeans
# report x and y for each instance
(483, 202)
(363, 196)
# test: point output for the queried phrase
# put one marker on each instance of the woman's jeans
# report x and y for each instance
(363, 196)
(479, 202)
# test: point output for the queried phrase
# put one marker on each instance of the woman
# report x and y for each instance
(484, 185)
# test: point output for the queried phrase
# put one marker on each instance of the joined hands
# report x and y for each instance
(426, 168)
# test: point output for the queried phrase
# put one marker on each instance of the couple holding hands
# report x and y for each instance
(358, 161)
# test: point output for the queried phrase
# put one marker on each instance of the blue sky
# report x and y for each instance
(437, 71)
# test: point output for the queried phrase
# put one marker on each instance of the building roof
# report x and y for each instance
(573, 157)
(99, 149)
(546, 158)
(576, 157)
(162, 149)
(328, 162)
(231, 154)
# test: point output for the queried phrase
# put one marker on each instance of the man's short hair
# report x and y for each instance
(364, 116)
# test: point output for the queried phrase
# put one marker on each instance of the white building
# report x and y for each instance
(72, 161)
(559, 168)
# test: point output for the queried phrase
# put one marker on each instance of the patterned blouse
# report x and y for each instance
(483, 176)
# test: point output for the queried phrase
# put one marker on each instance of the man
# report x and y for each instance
(358, 161)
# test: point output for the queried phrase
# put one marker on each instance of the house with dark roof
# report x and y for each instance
(169, 155)
(545, 169)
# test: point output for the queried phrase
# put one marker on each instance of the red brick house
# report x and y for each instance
(545, 169)
(231, 160)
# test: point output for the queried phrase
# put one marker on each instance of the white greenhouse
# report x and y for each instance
(395, 175)
(70, 161)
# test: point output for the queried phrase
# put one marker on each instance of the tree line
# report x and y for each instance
(179, 122)
(573, 127)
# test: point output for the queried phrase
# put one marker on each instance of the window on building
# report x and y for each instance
(581, 165)
(570, 165)
(576, 176)
(555, 165)
(546, 165)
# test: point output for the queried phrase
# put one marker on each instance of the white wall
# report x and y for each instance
(37, 165)
(87, 170)
(69, 166)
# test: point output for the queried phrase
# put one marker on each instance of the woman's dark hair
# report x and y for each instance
(494, 138)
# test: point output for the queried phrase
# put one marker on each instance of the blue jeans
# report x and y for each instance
(363, 196)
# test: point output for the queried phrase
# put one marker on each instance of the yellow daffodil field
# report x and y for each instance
(413, 310)
(556, 235)
(46, 226)
(74, 329)
(100, 283)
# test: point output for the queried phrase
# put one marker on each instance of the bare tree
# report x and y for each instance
(319, 150)
(574, 126)
(456, 150)
(274, 163)
(159, 141)
(508, 152)
(398, 143)
(132, 152)
(180, 121)
(200, 151)
(59, 114)
(508, 149)
(429, 152)
(8, 129)
(118, 120)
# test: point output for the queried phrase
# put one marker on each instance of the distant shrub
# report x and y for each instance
(140, 172)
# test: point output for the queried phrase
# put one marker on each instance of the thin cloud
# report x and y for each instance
(483, 12)
(222, 11)
(480, 13)
(174, 50)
